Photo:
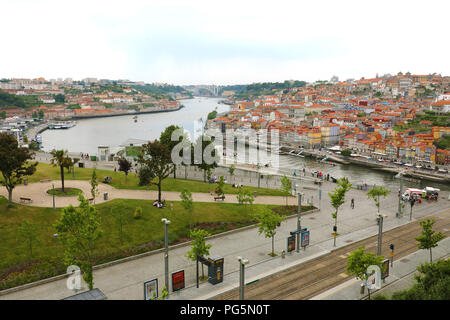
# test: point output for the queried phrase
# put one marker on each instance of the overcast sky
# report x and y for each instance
(222, 42)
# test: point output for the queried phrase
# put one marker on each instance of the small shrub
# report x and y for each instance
(138, 213)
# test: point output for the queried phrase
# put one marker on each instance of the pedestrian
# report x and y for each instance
(295, 173)
(115, 169)
(352, 203)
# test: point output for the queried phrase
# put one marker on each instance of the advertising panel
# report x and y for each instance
(151, 289)
(305, 239)
(177, 280)
(290, 243)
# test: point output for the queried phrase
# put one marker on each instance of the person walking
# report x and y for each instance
(352, 203)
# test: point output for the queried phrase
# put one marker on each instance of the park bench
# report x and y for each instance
(91, 200)
(45, 180)
(222, 197)
(23, 199)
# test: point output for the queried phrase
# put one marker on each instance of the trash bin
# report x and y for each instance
(105, 196)
(25, 182)
(255, 193)
(80, 165)
(215, 269)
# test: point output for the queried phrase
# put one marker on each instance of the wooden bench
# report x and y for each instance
(23, 199)
(45, 180)
(222, 197)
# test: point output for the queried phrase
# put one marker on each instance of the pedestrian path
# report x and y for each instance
(40, 198)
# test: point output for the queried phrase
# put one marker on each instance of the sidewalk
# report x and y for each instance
(401, 276)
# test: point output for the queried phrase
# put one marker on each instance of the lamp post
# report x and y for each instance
(56, 237)
(242, 263)
(166, 254)
(380, 231)
(53, 186)
(299, 216)
(399, 211)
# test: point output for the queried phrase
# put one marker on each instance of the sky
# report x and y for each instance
(222, 42)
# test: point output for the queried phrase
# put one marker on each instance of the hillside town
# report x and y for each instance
(397, 118)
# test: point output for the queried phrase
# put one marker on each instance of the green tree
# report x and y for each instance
(155, 163)
(245, 197)
(346, 152)
(41, 114)
(268, 221)
(187, 204)
(220, 186)
(375, 194)
(432, 283)
(124, 166)
(166, 139)
(286, 187)
(120, 220)
(231, 170)
(3, 115)
(14, 163)
(29, 233)
(359, 261)
(204, 148)
(60, 98)
(94, 184)
(429, 238)
(79, 230)
(198, 246)
(337, 198)
(61, 159)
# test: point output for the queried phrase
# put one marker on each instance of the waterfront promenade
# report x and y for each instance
(125, 280)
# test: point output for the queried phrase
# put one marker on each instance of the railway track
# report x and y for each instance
(323, 273)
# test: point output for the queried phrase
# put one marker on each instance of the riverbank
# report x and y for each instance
(127, 113)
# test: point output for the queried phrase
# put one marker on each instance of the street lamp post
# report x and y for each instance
(242, 263)
(56, 237)
(380, 231)
(299, 216)
(399, 211)
(53, 186)
(166, 254)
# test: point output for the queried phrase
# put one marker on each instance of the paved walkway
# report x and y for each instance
(125, 280)
(38, 193)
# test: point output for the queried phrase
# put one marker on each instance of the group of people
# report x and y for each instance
(84, 156)
(158, 204)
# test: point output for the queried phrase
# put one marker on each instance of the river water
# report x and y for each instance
(88, 134)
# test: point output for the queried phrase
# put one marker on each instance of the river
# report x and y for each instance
(88, 134)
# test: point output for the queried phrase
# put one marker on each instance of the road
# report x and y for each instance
(316, 276)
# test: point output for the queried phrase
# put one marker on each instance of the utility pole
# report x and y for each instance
(166, 254)
(399, 211)
(380, 232)
(53, 186)
(299, 216)
(242, 263)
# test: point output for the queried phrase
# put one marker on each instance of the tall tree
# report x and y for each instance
(337, 198)
(155, 164)
(231, 170)
(245, 197)
(124, 166)
(79, 229)
(198, 246)
(285, 187)
(94, 184)
(429, 238)
(187, 204)
(61, 159)
(220, 186)
(375, 194)
(166, 139)
(14, 163)
(204, 155)
(359, 261)
(268, 222)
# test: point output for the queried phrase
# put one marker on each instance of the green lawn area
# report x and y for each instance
(121, 182)
(144, 234)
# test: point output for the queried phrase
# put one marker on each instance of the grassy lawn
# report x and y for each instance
(119, 181)
(68, 192)
(140, 235)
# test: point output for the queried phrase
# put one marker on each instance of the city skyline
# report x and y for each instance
(237, 43)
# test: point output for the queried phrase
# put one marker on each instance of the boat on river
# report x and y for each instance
(62, 125)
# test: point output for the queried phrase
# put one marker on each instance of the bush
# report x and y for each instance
(138, 213)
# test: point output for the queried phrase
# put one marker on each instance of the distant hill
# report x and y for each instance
(11, 100)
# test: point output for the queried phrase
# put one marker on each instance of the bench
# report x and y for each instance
(45, 180)
(23, 199)
(91, 200)
(219, 197)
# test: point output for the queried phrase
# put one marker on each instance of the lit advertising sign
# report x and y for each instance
(291, 243)
(177, 280)
(305, 238)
